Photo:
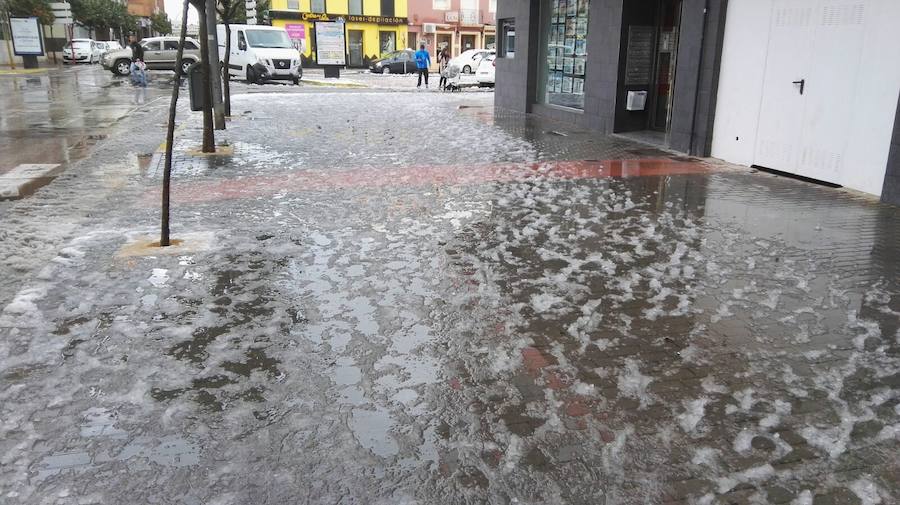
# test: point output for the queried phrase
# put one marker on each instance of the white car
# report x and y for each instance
(260, 52)
(106, 46)
(81, 51)
(469, 60)
(487, 71)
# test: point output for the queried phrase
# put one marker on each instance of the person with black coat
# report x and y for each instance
(137, 50)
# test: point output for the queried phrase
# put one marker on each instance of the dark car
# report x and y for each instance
(398, 62)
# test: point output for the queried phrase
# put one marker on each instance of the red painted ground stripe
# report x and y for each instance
(450, 175)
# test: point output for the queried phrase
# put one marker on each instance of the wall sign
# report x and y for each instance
(330, 43)
(639, 58)
(295, 31)
(322, 16)
(26, 36)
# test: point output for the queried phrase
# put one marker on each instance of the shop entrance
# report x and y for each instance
(466, 42)
(647, 64)
(355, 43)
(445, 40)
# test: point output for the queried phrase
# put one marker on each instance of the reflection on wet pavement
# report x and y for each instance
(56, 117)
(512, 324)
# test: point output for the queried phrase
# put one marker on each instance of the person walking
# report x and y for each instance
(443, 63)
(138, 72)
(137, 50)
(423, 61)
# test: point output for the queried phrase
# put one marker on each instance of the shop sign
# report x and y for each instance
(296, 31)
(330, 43)
(322, 16)
(26, 36)
(451, 16)
(314, 16)
(384, 20)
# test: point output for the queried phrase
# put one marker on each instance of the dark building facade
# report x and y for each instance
(653, 70)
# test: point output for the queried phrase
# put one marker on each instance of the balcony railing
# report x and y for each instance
(469, 17)
(465, 17)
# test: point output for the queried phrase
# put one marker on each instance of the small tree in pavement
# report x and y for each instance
(164, 239)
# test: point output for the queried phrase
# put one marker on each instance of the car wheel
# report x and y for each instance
(296, 80)
(122, 67)
(185, 65)
(251, 75)
(385, 70)
(467, 69)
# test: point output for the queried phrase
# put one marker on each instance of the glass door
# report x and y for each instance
(355, 43)
(664, 75)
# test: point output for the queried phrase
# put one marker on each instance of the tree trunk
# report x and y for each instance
(170, 133)
(227, 83)
(209, 140)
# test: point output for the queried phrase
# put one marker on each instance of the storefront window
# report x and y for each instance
(387, 41)
(564, 52)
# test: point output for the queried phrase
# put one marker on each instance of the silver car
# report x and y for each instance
(159, 54)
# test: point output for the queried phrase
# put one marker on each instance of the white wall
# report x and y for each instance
(867, 131)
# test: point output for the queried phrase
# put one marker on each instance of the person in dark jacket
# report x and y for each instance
(137, 50)
(423, 61)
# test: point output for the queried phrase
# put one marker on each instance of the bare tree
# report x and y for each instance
(170, 132)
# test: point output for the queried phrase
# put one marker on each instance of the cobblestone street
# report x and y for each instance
(400, 297)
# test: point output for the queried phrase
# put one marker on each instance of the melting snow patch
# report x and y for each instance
(755, 474)
(544, 302)
(742, 441)
(805, 498)
(693, 414)
(705, 456)
(159, 278)
(832, 440)
(867, 491)
(633, 384)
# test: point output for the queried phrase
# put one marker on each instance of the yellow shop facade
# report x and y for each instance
(373, 27)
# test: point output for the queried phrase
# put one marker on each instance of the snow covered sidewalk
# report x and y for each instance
(430, 303)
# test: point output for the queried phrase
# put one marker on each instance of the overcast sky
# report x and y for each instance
(173, 9)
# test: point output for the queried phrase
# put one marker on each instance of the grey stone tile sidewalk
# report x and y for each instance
(429, 303)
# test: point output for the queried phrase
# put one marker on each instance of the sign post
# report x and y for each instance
(62, 11)
(27, 40)
(330, 47)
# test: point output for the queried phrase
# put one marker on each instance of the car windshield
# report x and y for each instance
(79, 44)
(268, 38)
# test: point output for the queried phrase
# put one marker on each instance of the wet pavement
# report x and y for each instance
(407, 298)
(56, 116)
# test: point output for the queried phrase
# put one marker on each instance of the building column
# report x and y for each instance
(890, 192)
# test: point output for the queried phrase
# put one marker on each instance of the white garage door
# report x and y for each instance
(810, 87)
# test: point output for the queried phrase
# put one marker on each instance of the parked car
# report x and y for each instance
(487, 71)
(398, 62)
(468, 61)
(260, 52)
(81, 51)
(159, 54)
(106, 46)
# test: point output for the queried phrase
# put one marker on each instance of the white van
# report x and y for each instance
(254, 47)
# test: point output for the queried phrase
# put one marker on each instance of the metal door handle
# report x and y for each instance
(802, 83)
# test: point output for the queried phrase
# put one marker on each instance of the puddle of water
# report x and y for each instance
(371, 429)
